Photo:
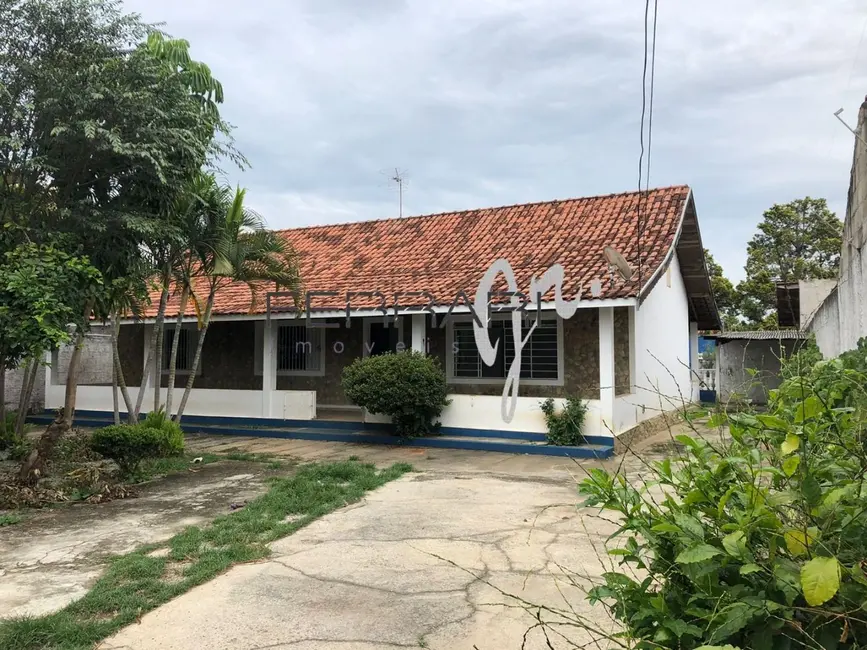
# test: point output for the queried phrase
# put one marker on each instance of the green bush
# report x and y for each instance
(754, 541)
(802, 361)
(565, 427)
(174, 435)
(408, 386)
(129, 444)
(8, 439)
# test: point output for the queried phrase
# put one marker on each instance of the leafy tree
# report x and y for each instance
(103, 123)
(800, 240)
(723, 292)
(195, 211)
(42, 291)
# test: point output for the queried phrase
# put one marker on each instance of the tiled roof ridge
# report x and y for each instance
(612, 195)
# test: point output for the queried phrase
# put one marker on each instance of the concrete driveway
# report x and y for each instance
(450, 557)
(424, 562)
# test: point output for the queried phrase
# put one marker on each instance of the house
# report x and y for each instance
(627, 349)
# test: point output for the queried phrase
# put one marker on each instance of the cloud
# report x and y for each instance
(495, 102)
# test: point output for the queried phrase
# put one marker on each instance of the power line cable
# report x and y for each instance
(642, 196)
(652, 83)
(639, 223)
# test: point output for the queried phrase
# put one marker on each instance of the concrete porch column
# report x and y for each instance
(606, 369)
(269, 368)
(419, 332)
(694, 362)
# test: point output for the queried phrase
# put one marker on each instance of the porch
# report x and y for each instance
(279, 373)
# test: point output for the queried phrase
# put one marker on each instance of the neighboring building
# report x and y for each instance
(748, 363)
(840, 320)
(628, 352)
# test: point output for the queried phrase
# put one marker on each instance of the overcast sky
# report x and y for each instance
(493, 102)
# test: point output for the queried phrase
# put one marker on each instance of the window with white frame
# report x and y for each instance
(299, 350)
(186, 349)
(540, 356)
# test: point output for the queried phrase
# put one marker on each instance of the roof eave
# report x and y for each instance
(693, 265)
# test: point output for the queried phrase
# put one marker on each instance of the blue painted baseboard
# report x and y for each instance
(515, 442)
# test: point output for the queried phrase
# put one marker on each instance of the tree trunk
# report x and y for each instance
(3, 396)
(118, 368)
(114, 401)
(33, 467)
(158, 349)
(145, 377)
(189, 387)
(27, 383)
(173, 356)
(148, 367)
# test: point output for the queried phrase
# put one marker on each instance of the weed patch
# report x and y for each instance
(9, 519)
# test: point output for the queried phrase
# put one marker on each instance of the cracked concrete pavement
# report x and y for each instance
(448, 558)
(425, 561)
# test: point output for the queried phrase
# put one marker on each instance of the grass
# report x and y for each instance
(136, 583)
(10, 519)
(693, 414)
(156, 467)
(153, 467)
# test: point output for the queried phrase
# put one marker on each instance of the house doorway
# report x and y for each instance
(382, 338)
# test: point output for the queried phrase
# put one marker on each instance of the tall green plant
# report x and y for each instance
(755, 542)
(566, 425)
(237, 248)
(102, 126)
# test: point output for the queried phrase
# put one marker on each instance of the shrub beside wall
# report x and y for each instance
(565, 427)
(757, 541)
(409, 387)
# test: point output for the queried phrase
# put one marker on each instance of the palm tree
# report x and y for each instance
(238, 248)
(203, 198)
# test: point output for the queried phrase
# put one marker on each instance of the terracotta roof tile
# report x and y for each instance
(446, 253)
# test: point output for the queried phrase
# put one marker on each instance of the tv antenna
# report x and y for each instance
(399, 178)
(617, 264)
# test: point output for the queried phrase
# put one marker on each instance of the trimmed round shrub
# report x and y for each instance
(408, 386)
(129, 444)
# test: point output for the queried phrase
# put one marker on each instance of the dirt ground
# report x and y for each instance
(54, 555)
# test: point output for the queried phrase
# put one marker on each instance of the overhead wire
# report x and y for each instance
(649, 52)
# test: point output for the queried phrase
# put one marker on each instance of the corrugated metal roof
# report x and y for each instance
(761, 335)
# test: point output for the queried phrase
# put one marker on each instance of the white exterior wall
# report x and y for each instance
(483, 412)
(825, 325)
(625, 413)
(284, 404)
(811, 295)
(662, 342)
